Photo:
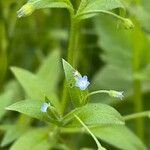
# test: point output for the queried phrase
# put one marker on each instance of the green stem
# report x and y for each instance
(73, 39)
(105, 12)
(137, 93)
(3, 52)
(99, 146)
(137, 115)
(98, 92)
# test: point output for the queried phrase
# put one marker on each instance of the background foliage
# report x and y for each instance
(113, 57)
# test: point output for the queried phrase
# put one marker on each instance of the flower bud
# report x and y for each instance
(116, 94)
(128, 24)
(25, 10)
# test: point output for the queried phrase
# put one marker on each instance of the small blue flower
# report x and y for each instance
(44, 107)
(82, 82)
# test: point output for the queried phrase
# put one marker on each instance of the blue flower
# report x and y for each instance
(82, 82)
(44, 107)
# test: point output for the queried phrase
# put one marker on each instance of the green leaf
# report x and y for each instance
(51, 4)
(31, 108)
(11, 92)
(90, 8)
(11, 134)
(77, 96)
(119, 136)
(142, 15)
(35, 87)
(5, 100)
(117, 43)
(94, 115)
(35, 139)
(50, 70)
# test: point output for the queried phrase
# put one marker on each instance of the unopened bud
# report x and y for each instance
(25, 10)
(128, 24)
(116, 94)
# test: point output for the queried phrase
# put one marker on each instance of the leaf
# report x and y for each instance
(11, 134)
(11, 92)
(51, 3)
(90, 8)
(77, 96)
(94, 115)
(142, 15)
(50, 70)
(5, 100)
(119, 136)
(117, 43)
(34, 139)
(35, 87)
(31, 108)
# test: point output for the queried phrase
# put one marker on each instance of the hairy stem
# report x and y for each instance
(99, 146)
(97, 92)
(73, 39)
(137, 115)
(137, 93)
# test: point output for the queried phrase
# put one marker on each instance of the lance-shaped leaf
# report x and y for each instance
(90, 8)
(11, 134)
(94, 115)
(50, 69)
(31, 108)
(35, 87)
(35, 139)
(119, 136)
(32, 5)
(77, 96)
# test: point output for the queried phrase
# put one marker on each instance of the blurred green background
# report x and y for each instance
(112, 57)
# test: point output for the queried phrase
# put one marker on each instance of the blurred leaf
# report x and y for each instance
(142, 15)
(146, 72)
(119, 136)
(118, 55)
(62, 147)
(35, 87)
(11, 92)
(31, 108)
(90, 8)
(11, 134)
(5, 100)
(35, 139)
(50, 70)
(77, 96)
(93, 115)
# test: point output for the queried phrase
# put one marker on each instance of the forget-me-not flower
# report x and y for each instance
(82, 82)
(44, 107)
